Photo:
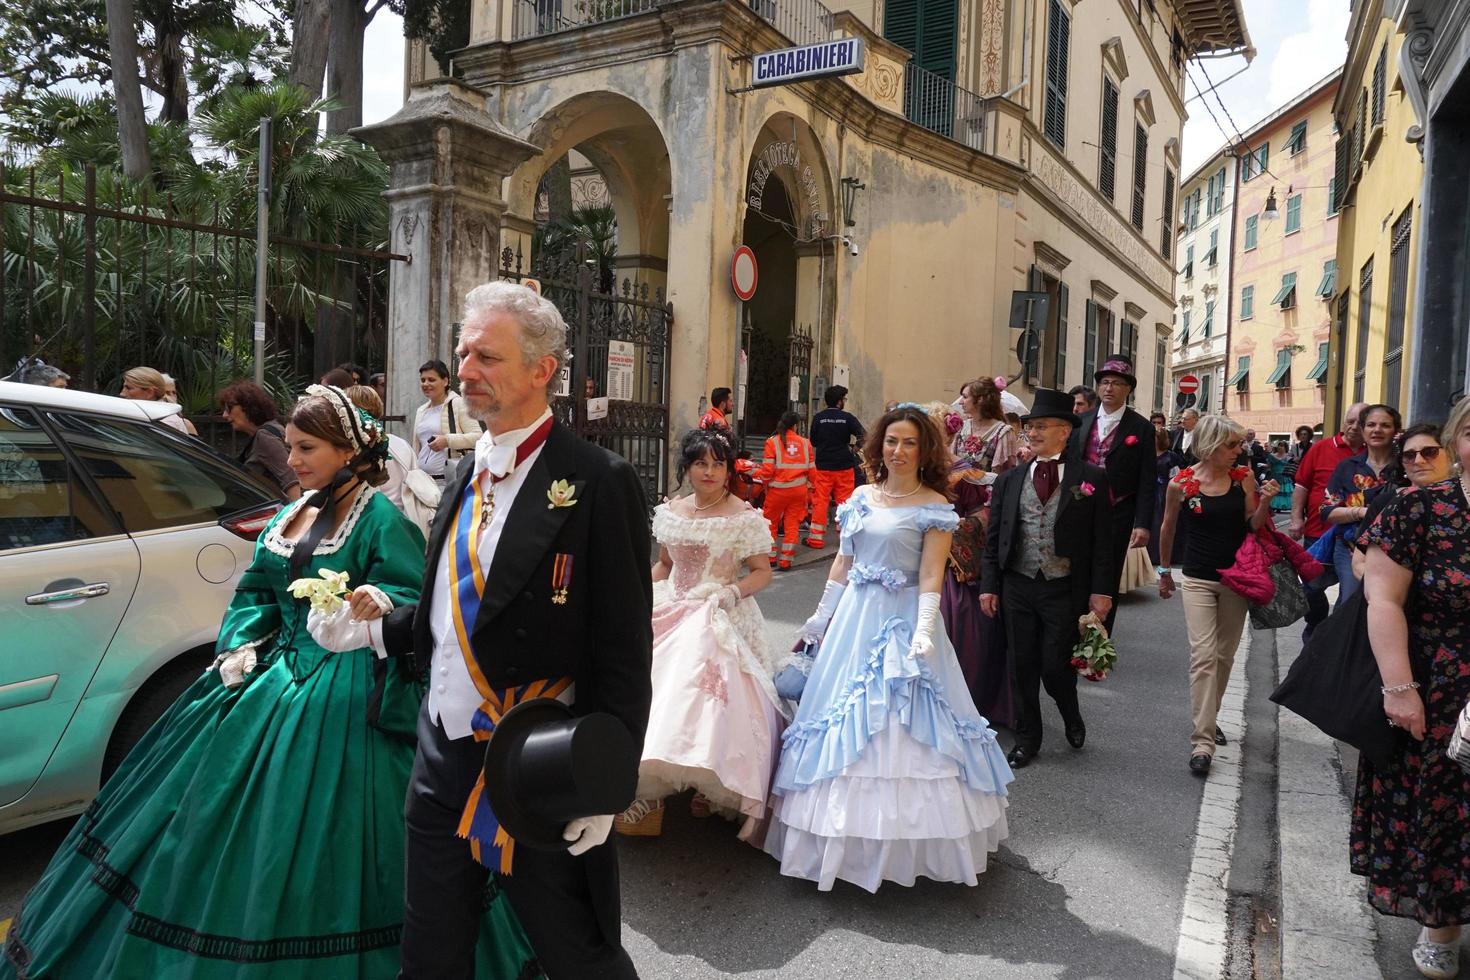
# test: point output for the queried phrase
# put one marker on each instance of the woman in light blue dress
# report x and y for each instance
(888, 772)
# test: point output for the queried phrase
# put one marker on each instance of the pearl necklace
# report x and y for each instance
(715, 504)
(896, 496)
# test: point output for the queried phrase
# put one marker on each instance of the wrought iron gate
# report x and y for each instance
(620, 338)
(799, 371)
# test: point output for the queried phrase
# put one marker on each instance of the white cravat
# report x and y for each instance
(453, 696)
(1187, 441)
(1106, 422)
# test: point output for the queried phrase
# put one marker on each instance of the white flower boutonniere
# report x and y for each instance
(325, 592)
(561, 494)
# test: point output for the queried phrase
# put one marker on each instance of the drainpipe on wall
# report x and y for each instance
(1025, 56)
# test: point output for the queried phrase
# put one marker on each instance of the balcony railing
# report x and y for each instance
(803, 21)
(534, 18)
(941, 106)
(930, 100)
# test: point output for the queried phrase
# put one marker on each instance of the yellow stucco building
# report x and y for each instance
(1379, 174)
(1283, 269)
(986, 147)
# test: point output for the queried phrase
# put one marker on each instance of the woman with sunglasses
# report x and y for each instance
(1352, 485)
(1423, 462)
(1407, 835)
(1219, 503)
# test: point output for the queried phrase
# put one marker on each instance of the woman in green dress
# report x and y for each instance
(257, 829)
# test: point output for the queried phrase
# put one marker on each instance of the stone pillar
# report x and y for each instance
(449, 160)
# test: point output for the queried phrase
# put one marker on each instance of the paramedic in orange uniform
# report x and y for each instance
(788, 471)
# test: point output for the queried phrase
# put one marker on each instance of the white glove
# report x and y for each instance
(729, 597)
(923, 644)
(585, 833)
(813, 629)
(338, 632)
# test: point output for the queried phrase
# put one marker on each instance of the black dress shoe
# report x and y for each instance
(1219, 736)
(1200, 764)
(1076, 734)
(1020, 757)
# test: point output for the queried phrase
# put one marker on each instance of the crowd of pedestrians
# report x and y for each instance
(975, 545)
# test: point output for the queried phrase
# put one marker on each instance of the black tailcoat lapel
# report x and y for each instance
(529, 527)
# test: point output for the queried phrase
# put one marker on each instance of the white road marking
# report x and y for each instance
(1203, 929)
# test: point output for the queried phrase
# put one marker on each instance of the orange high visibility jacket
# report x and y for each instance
(788, 464)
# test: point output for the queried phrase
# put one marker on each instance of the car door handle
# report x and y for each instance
(69, 595)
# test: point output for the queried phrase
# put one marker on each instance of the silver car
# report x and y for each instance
(120, 544)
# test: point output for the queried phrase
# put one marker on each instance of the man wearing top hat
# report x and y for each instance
(537, 585)
(1121, 441)
(1046, 564)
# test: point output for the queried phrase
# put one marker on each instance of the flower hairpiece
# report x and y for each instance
(1000, 382)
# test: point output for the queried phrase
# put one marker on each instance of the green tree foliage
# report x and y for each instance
(444, 24)
(178, 299)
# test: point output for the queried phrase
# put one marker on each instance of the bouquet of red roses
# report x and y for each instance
(1093, 656)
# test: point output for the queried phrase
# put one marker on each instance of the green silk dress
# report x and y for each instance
(257, 830)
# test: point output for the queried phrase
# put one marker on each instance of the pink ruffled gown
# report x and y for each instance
(716, 720)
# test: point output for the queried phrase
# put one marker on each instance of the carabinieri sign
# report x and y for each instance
(829, 59)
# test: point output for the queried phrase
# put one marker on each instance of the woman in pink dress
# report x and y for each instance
(715, 723)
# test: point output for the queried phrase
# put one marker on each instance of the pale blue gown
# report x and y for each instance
(888, 772)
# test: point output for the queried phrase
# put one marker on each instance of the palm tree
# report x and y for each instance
(593, 230)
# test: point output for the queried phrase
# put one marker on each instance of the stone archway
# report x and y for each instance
(628, 152)
(789, 223)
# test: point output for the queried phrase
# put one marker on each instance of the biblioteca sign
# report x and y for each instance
(828, 59)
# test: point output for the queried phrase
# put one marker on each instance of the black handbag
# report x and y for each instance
(1288, 604)
(1335, 685)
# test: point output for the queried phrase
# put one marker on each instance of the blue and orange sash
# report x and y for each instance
(489, 843)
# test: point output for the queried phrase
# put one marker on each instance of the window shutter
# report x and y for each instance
(1220, 191)
(1108, 154)
(1380, 71)
(937, 30)
(1140, 173)
(1360, 133)
(901, 23)
(1167, 237)
(1340, 169)
(1060, 358)
(1089, 342)
(1059, 31)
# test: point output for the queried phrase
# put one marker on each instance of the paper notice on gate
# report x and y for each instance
(596, 409)
(620, 370)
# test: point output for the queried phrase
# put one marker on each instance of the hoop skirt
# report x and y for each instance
(888, 772)
(715, 722)
(257, 830)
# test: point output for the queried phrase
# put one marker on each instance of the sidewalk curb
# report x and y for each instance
(1327, 929)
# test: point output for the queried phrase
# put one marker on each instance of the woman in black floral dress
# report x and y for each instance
(1411, 821)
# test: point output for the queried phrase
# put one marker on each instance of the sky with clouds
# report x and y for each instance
(1297, 43)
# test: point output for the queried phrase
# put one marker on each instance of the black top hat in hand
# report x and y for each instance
(1052, 404)
(545, 768)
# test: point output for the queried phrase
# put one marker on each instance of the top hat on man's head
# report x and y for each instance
(545, 768)
(1049, 403)
(1118, 365)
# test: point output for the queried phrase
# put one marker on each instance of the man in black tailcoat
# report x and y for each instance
(1046, 564)
(567, 597)
(1121, 441)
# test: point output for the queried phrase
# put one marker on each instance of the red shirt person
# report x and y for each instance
(1315, 469)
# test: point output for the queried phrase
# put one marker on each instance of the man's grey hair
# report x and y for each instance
(1189, 413)
(543, 331)
(42, 374)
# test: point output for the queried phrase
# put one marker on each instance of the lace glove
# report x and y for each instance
(338, 632)
(585, 833)
(729, 597)
(923, 644)
(815, 627)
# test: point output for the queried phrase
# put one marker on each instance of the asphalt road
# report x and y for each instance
(1089, 885)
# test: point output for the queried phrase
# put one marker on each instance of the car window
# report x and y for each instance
(152, 479)
(41, 501)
